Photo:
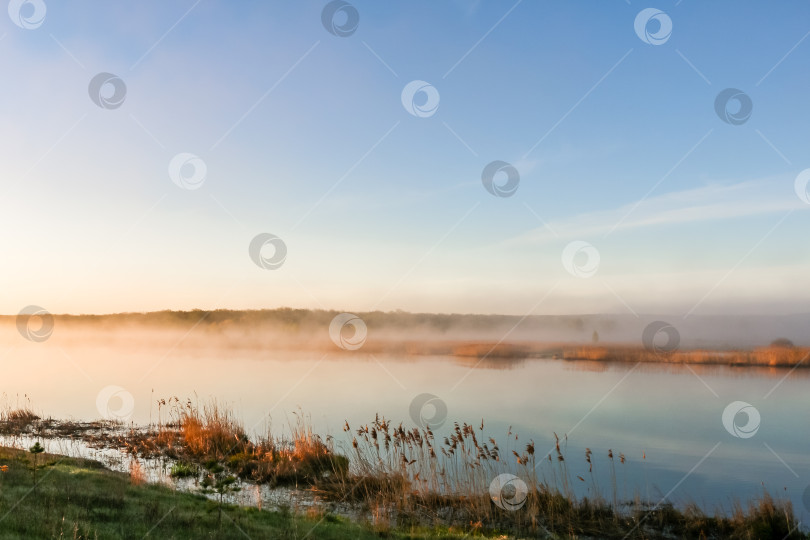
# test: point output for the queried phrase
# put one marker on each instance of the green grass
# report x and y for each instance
(80, 499)
(183, 470)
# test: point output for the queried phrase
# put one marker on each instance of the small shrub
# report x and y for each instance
(183, 470)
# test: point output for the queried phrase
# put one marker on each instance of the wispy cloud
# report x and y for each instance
(705, 203)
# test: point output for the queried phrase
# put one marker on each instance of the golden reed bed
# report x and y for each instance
(772, 356)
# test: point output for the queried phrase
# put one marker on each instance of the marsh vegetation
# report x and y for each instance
(397, 481)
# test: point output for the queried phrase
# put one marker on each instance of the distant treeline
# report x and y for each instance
(595, 337)
(306, 318)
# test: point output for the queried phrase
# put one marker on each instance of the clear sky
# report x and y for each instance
(303, 133)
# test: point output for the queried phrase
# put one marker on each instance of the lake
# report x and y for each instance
(666, 420)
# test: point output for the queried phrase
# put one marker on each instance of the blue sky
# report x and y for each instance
(304, 135)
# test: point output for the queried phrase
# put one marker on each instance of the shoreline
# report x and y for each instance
(392, 483)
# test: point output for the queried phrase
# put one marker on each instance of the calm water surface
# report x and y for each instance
(670, 414)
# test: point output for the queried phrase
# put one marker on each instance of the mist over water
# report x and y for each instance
(287, 328)
(663, 418)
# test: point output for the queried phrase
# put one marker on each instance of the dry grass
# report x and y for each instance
(492, 350)
(760, 357)
(213, 432)
(137, 476)
(197, 435)
(771, 356)
(406, 478)
(414, 479)
(18, 416)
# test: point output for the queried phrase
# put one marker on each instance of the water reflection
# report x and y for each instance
(666, 419)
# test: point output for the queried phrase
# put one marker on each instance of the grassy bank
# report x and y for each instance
(80, 499)
(400, 482)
